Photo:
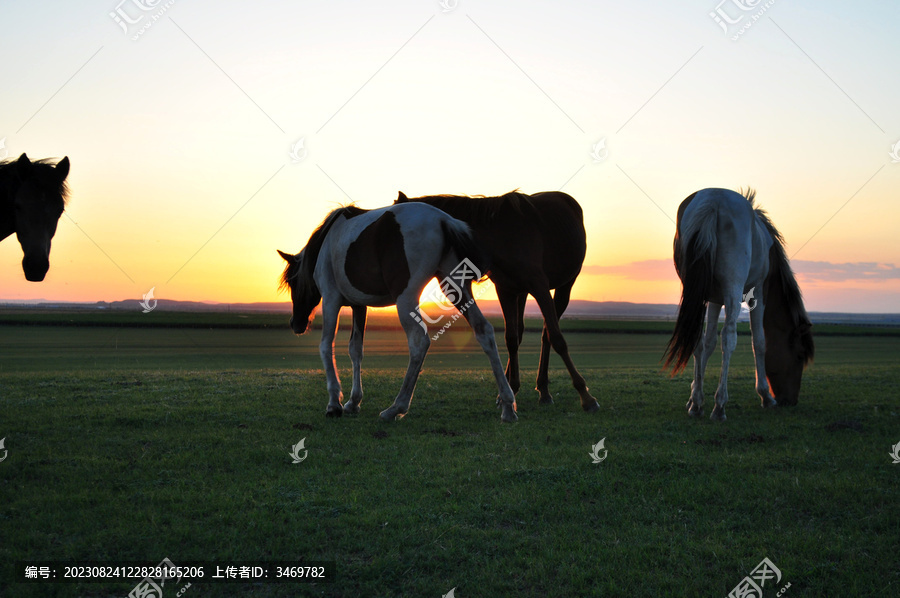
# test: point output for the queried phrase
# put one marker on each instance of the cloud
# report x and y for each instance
(807, 270)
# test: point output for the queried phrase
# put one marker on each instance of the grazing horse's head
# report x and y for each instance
(788, 350)
(38, 200)
(305, 295)
(788, 330)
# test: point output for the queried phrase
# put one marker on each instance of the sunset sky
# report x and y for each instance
(179, 118)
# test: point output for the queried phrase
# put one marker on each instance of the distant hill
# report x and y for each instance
(577, 309)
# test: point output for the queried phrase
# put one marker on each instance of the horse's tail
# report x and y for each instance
(694, 258)
(458, 238)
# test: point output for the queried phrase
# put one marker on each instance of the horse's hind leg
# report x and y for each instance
(701, 356)
(729, 342)
(418, 341)
(356, 355)
(484, 332)
(555, 337)
(542, 384)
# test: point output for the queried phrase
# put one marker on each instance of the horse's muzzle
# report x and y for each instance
(299, 326)
(35, 269)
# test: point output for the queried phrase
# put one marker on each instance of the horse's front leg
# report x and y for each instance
(418, 341)
(330, 314)
(356, 355)
(509, 304)
(759, 354)
(729, 342)
(702, 354)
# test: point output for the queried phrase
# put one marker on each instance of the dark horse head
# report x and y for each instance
(32, 198)
(299, 274)
(305, 295)
(788, 330)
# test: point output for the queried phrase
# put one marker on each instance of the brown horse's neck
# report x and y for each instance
(8, 187)
(7, 215)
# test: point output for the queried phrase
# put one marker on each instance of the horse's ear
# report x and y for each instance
(62, 169)
(401, 197)
(287, 256)
(23, 166)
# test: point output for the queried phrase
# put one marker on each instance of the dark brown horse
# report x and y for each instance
(32, 198)
(534, 243)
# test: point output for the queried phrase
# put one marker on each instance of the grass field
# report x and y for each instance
(139, 443)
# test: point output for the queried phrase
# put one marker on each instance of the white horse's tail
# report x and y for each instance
(695, 255)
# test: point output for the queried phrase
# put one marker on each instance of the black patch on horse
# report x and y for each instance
(376, 261)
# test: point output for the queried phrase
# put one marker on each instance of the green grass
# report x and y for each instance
(139, 444)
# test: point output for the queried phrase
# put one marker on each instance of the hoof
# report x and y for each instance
(769, 403)
(548, 400)
(333, 411)
(391, 413)
(694, 409)
(718, 414)
(351, 409)
(509, 414)
(591, 407)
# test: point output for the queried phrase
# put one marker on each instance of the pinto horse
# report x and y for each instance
(727, 250)
(535, 243)
(361, 258)
(32, 198)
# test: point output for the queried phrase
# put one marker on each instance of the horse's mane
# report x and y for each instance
(780, 266)
(305, 269)
(45, 175)
(476, 209)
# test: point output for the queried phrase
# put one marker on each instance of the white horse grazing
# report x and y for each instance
(361, 258)
(727, 250)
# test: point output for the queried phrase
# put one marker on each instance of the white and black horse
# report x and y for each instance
(726, 249)
(361, 258)
(32, 198)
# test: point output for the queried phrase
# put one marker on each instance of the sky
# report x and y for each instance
(204, 136)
